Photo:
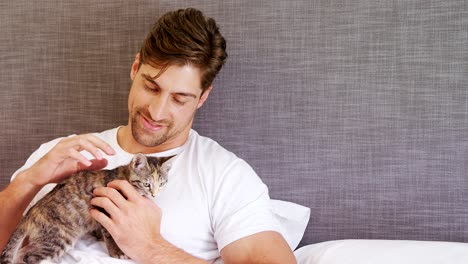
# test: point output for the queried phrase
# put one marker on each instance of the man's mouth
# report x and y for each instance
(151, 125)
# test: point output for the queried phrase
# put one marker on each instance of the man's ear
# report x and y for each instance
(135, 66)
(204, 96)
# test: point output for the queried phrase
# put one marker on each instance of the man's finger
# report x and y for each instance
(78, 157)
(111, 194)
(101, 144)
(106, 204)
(103, 219)
(95, 165)
(126, 189)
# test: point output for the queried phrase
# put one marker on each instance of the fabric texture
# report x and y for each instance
(293, 218)
(211, 199)
(355, 109)
(383, 252)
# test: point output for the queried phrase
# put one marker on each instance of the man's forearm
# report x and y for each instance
(164, 252)
(14, 199)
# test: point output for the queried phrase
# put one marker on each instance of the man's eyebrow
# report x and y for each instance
(187, 95)
(152, 80)
(149, 78)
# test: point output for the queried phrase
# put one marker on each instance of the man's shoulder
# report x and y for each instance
(208, 147)
(211, 155)
(107, 135)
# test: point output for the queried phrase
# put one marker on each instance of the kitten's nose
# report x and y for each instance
(154, 192)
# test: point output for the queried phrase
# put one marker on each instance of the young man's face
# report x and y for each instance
(161, 110)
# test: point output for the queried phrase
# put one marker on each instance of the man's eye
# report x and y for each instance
(150, 87)
(179, 102)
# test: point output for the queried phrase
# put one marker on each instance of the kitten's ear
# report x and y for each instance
(139, 162)
(162, 160)
(166, 163)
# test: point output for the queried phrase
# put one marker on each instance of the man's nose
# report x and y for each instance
(159, 108)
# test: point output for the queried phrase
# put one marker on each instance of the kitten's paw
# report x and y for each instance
(30, 259)
(119, 255)
(123, 257)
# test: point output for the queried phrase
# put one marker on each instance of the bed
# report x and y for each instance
(354, 113)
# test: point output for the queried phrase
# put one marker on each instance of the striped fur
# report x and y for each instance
(57, 221)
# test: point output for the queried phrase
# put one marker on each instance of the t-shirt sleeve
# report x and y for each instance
(241, 205)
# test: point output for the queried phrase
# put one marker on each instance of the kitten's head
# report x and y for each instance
(149, 174)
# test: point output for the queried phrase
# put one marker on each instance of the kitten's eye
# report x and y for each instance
(146, 184)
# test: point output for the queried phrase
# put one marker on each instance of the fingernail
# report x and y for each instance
(110, 151)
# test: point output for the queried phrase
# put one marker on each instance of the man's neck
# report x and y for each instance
(128, 143)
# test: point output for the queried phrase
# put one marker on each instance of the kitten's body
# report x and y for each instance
(57, 221)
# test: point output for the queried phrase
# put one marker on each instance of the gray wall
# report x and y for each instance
(357, 109)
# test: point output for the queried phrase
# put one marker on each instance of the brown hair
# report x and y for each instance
(184, 37)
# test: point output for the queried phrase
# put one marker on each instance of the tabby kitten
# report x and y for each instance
(57, 221)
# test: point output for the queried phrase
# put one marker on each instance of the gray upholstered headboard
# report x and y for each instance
(356, 109)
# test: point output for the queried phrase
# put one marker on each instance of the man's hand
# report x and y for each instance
(134, 223)
(65, 159)
(130, 213)
(60, 162)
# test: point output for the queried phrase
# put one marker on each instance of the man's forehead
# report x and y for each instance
(184, 78)
(155, 72)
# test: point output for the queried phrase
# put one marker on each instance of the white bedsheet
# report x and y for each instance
(293, 217)
(383, 252)
(89, 251)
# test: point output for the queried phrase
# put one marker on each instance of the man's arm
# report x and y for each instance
(131, 213)
(14, 200)
(134, 223)
(60, 162)
(264, 247)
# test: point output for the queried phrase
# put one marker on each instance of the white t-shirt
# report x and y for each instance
(212, 197)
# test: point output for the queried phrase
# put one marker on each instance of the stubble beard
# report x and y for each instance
(146, 138)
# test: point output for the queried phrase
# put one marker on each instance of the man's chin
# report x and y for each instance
(149, 139)
(149, 142)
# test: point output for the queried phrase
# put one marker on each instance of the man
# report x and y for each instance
(214, 204)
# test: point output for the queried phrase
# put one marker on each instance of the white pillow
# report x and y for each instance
(293, 218)
(383, 252)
